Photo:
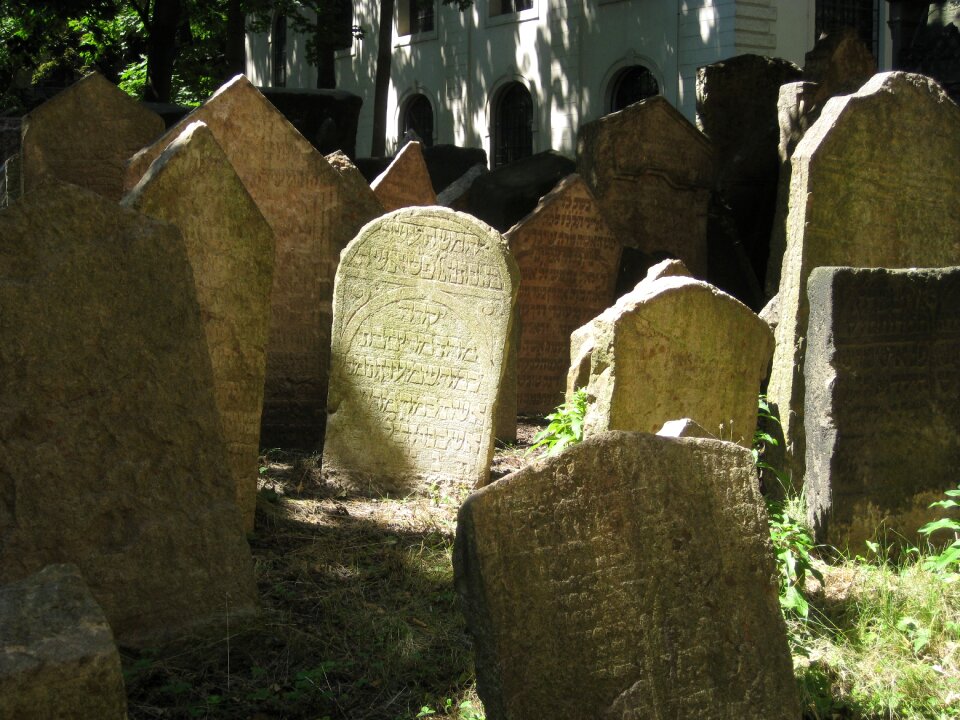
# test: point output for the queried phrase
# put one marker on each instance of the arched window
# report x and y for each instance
(631, 85)
(278, 44)
(512, 136)
(418, 116)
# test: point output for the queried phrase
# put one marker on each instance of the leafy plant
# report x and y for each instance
(948, 560)
(566, 425)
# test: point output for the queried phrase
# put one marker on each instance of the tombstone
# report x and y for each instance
(448, 163)
(327, 118)
(11, 178)
(505, 422)
(588, 594)
(881, 411)
(57, 655)
(737, 111)
(456, 193)
(422, 315)
(230, 247)
(303, 200)
(405, 182)
(864, 192)
(652, 173)
(839, 63)
(684, 427)
(674, 347)
(362, 206)
(84, 135)
(108, 397)
(568, 261)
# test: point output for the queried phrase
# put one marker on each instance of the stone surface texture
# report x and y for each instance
(881, 409)
(673, 347)
(57, 654)
(85, 135)
(406, 181)
(589, 597)
(303, 200)
(864, 192)
(112, 449)
(652, 173)
(568, 260)
(422, 315)
(361, 204)
(840, 63)
(230, 246)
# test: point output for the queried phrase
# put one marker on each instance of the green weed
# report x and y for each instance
(566, 425)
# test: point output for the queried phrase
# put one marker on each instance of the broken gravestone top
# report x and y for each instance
(589, 597)
(230, 246)
(568, 261)
(361, 204)
(422, 314)
(406, 181)
(85, 135)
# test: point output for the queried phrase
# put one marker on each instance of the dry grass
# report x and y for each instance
(359, 616)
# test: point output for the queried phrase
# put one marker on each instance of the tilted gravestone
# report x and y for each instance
(303, 200)
(422, 314)
(406, 181)
(869, 188)
(881, 409)
(57, 654)
(588, 594)
(362, 205)
(85, 135)
(230, 246)
(652, 173)
(673, 347)
(112, 450)
(568, 260)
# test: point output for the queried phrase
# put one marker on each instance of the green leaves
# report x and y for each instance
(566, 425)
(947, 561)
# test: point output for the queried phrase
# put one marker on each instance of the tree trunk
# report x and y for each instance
(162, 50)
(381, 88)
(236, 39)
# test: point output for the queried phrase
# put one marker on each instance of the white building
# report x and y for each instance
(519, 76)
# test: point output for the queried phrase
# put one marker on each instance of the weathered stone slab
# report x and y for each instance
(406, 181)
(456, 194)
(422, 314)
(882, 413)
(57, 655)
(361, 205)
(589, 597)
(112, 451)
(568, 260)
(840, 63)
(652, 173)
(303, 200)
(85, 135)
(230, 246)
(684, 427)
(737, 111)
(673, 347)
(870, 187)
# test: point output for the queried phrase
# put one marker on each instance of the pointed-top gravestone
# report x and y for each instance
(361, 205)
(873, 185)
(85, 135)
(422, 313)
(568, 260)
(111, 449)
(406, 182)
(302, 198)
(230, 246)
(652, 173)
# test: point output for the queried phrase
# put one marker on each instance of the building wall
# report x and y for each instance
(554, 48)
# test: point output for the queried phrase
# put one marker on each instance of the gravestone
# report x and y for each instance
(737, 111)
(57, 655)
(864, 192)
(881, 409)
(422, 315)
(652, 173)
(108, 398)
(673, 347)
(456, 194)
(303, 200)
(84, 135)
(839, 63)
(11, 181)
(568, 260)
(589, 595)
(405, 182)
(362, 205)
(230, 246)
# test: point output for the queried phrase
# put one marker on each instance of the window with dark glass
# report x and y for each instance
(512, 125)
(418, 117)
(505, 7)
(278, 42)
(631, 85)
(862, 15)
(415, 16)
